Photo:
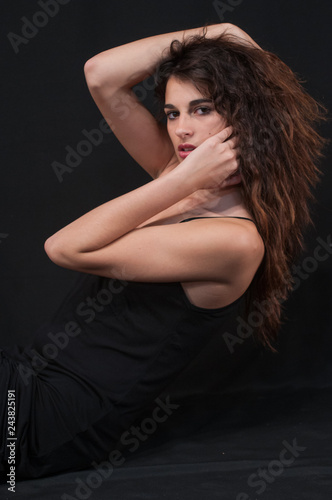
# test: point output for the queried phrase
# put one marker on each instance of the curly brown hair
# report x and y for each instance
(275, 120)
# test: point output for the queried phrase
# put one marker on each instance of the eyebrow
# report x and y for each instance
(192, 103)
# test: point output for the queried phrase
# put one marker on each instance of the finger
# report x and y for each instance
(232, 180)
(232, 142)
(234, 174)
(236, 170)
(225, 133)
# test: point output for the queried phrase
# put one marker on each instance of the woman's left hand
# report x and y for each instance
(214, 163)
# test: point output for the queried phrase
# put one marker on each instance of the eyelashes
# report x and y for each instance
(201, 110)
(170, 114)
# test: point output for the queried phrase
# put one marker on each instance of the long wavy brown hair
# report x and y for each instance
(275, 120)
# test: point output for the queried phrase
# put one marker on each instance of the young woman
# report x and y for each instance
(165, 266)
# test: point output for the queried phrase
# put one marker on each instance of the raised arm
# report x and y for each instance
(112, 74)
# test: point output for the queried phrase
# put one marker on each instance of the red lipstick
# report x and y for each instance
(185, 149)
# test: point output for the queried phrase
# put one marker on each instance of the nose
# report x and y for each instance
(183, 127)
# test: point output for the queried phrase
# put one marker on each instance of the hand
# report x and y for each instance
(232, 180)
(214, 164)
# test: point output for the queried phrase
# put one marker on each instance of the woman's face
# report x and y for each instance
(191, 117)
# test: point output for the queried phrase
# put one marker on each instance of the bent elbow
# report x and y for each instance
(94, 72)
(98, 74)
(57, 253)
(51, 249)
(90, 66)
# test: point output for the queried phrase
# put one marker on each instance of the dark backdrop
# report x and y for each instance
(46, 107)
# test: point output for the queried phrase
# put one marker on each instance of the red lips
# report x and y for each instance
(185, 149)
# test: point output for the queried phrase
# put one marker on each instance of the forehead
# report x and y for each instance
(181, 90)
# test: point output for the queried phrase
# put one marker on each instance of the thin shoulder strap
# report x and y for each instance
(217, 217)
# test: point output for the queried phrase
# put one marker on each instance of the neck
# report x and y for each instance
(222, 202)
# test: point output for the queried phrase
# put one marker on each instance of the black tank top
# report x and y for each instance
(111, 348)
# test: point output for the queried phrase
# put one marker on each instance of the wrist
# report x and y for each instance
(183, 175)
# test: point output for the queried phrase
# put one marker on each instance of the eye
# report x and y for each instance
(171, 115)
(203, 110)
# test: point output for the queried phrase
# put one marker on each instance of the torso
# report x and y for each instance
(210, 295)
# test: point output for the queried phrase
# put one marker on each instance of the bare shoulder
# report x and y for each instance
(238, 237)
(251, 249)
(250, 237)
(239, 252)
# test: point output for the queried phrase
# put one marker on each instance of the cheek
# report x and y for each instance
(219, 122)
(170, 131)
(215, 123)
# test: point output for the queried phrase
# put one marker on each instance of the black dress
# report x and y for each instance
(111, 348)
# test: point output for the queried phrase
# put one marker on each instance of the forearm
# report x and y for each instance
(207, 167)
(113, 219)
(127, 65)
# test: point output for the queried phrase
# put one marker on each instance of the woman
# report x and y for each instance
(233, 165)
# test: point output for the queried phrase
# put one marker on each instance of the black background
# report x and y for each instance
(45, 107)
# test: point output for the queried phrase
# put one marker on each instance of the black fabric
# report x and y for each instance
(109, 350)
(215, 446)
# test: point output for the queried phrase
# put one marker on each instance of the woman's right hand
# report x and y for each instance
(214, 164)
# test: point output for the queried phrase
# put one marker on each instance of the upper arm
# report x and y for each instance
(218, 251)
(145, 139)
